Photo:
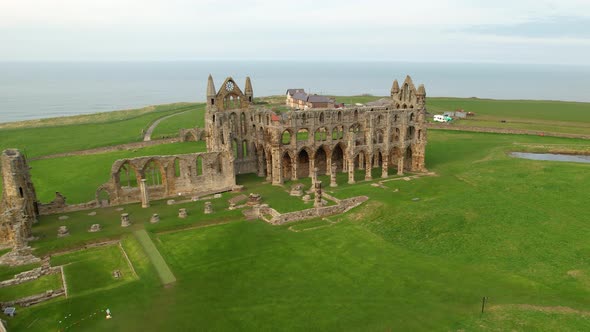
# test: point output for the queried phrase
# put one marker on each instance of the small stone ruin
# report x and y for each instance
(232, 206)
(182, 213)
(170, 202)
(63, 218)
(254, 199)
(117, 274)
(296, 190)
(94, 228)
(125, 221)
(63, 231)
(155, 218)
(93, 213)
(208, 208)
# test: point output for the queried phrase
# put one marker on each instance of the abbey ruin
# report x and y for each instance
(243, 137)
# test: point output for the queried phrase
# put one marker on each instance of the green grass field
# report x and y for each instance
(486, 225)
(89, 271)
(90, 131)
(546, 116)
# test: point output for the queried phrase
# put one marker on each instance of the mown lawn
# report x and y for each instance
(486, 225)
(91, 270)
(194, 117)
(546, 116)
(110, 129)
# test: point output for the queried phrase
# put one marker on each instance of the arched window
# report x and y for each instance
(152, 174)
(286, 137)
(127, 176)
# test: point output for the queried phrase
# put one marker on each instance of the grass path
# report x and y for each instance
(155, 257)
(148, 133)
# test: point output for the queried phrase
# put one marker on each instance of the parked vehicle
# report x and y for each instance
(442, 118)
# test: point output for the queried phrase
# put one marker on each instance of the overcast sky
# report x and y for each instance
(509, 31)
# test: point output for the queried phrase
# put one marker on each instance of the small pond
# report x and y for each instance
(552, 156)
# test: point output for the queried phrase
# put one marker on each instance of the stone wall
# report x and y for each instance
(34, 299)
(342, 206)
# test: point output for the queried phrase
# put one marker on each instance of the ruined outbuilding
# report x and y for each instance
(19, 206)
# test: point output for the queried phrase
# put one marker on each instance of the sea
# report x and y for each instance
(31, 90)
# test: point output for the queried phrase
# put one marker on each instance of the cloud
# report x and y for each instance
(382, 29)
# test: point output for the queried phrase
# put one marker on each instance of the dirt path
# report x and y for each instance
(148, 134)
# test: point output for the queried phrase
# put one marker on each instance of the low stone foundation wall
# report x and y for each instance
(52, 208)
(34, 299)
(29, 276)
(279, 219)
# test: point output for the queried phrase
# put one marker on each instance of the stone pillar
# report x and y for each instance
(314, 177)
(277, 165)
(155, 218)
(294, 169)
(361, 160)
(368, 167)
(400, 166)
(351, 171)
(269, 170)
(333, 176)
(260, 172)
(208, 208)
(384, 167)
(125, 221)
(145, 199)
(328, 164)
(317, 202)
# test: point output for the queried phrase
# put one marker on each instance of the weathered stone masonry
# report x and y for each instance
(290, 145)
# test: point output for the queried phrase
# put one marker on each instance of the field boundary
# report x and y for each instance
(164, 272)
(503, 131)
(112, 148)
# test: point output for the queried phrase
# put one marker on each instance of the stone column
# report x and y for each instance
(400, 166)
(125, 221)
(317, 202)
(368, 166)
(328, 164)
(314, 177)
(351, 171)
(277, 166)
(269, 170)
(333, 176)
(294, 169)
(145, 199)
(260, 172)
(384, 167)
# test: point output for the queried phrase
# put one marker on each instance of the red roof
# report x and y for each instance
(275, 117)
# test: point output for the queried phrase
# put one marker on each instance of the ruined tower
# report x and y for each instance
(18, 208)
